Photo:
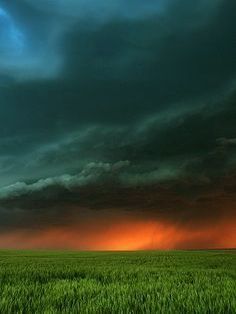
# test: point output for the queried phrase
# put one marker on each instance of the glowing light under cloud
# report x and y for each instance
(123, 235)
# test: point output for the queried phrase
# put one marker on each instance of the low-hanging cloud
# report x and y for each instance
(92, 173)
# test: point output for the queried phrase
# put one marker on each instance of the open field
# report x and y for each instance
(118, 282)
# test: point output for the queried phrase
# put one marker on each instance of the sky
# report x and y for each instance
(117, 124)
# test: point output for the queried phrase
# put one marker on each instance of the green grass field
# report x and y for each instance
(121, 282)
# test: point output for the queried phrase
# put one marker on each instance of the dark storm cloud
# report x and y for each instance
(121, 106)
(185, 177)
(184, 202)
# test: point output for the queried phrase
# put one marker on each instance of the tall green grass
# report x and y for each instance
(121, 282)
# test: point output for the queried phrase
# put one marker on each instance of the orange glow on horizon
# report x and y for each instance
(130, 235)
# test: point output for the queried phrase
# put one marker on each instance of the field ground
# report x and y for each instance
(118, 282)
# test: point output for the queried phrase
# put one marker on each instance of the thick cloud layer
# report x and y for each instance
(119, 107)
